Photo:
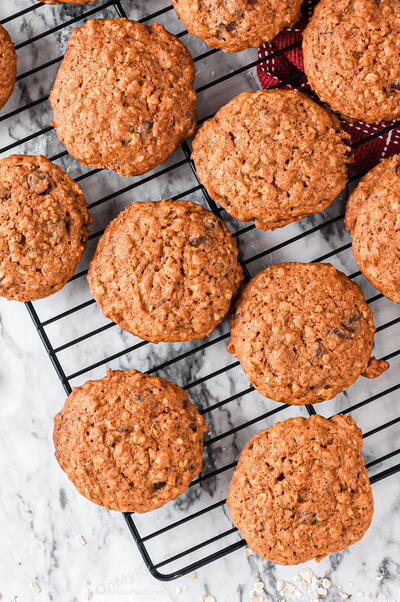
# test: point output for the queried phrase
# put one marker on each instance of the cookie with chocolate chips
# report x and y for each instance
(165, 271)
(301, 491)
(351, 52)
(129, 441)
(303, 333)
(373, 220)
(123, 97)
(238, 24)
(43, 227)
(8, 66)
(262, 155)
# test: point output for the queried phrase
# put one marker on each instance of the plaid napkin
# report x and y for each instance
(289, 66)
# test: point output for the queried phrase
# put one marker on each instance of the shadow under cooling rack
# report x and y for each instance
(228, 540)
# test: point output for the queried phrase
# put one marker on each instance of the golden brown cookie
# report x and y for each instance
(123, 96)
(351, 52)
(262, 155)
(129, 441)
(301, 491)
(234, 25)
(303, 333)
(43, 227)
(8, 66)
(165, 271)
(373, 220)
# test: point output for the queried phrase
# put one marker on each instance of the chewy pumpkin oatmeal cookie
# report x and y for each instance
(165, 271)
(43, 227)
(273, 156)
(373, 220)
(123, 97)
(129, 441)
(234, 25)
(8, 66)
(351, 51)
(301, 491)
(303, 333)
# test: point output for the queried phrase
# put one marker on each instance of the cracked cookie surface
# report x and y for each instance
(301, 491)
(129, 441)
(303, 333)
(8, 66)
(234, 25)
(43, 227)
(262, 155)
(165, 271)
(123, 96)
(373, 220)
(351, 51)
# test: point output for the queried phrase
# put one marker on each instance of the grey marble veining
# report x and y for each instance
(41, 515)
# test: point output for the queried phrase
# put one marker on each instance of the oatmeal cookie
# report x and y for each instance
(129, 441)
(303, 333)
(165, 271)
(8, 66)
(234, 25)
(123, 96)
(373, 220)
(43, 227)
(273, 156)
(351, 52)
(301, 490)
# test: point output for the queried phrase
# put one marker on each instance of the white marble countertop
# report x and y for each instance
(41, 515)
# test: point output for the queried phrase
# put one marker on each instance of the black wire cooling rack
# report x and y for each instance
(221, 544)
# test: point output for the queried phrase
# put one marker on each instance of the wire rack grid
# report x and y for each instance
(381, 455)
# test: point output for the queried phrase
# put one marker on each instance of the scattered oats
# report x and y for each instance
(297, 594)
(303, 584)
(209, 599)
(87, 594)
(192, 575)
(314, 580)
(326, 583)
(307, 575)
(280, 585)
(290, 588)
(36, 587)
(254, 597)
(381, 597)
(259, 586)
(248, 552)
(178, 590)
(379, 577)
(80, 539)
(344, 596)
(321, 591)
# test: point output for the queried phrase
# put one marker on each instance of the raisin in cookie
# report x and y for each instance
(262, 155)
(234, 25)
(373, 220)
(43, 227)
(130, 441)
(123, 96)
(165, 271)
(351, 52)
(300, 490)
(303, 333)
(8, 66)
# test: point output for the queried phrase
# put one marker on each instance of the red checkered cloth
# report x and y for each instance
(289, 66)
